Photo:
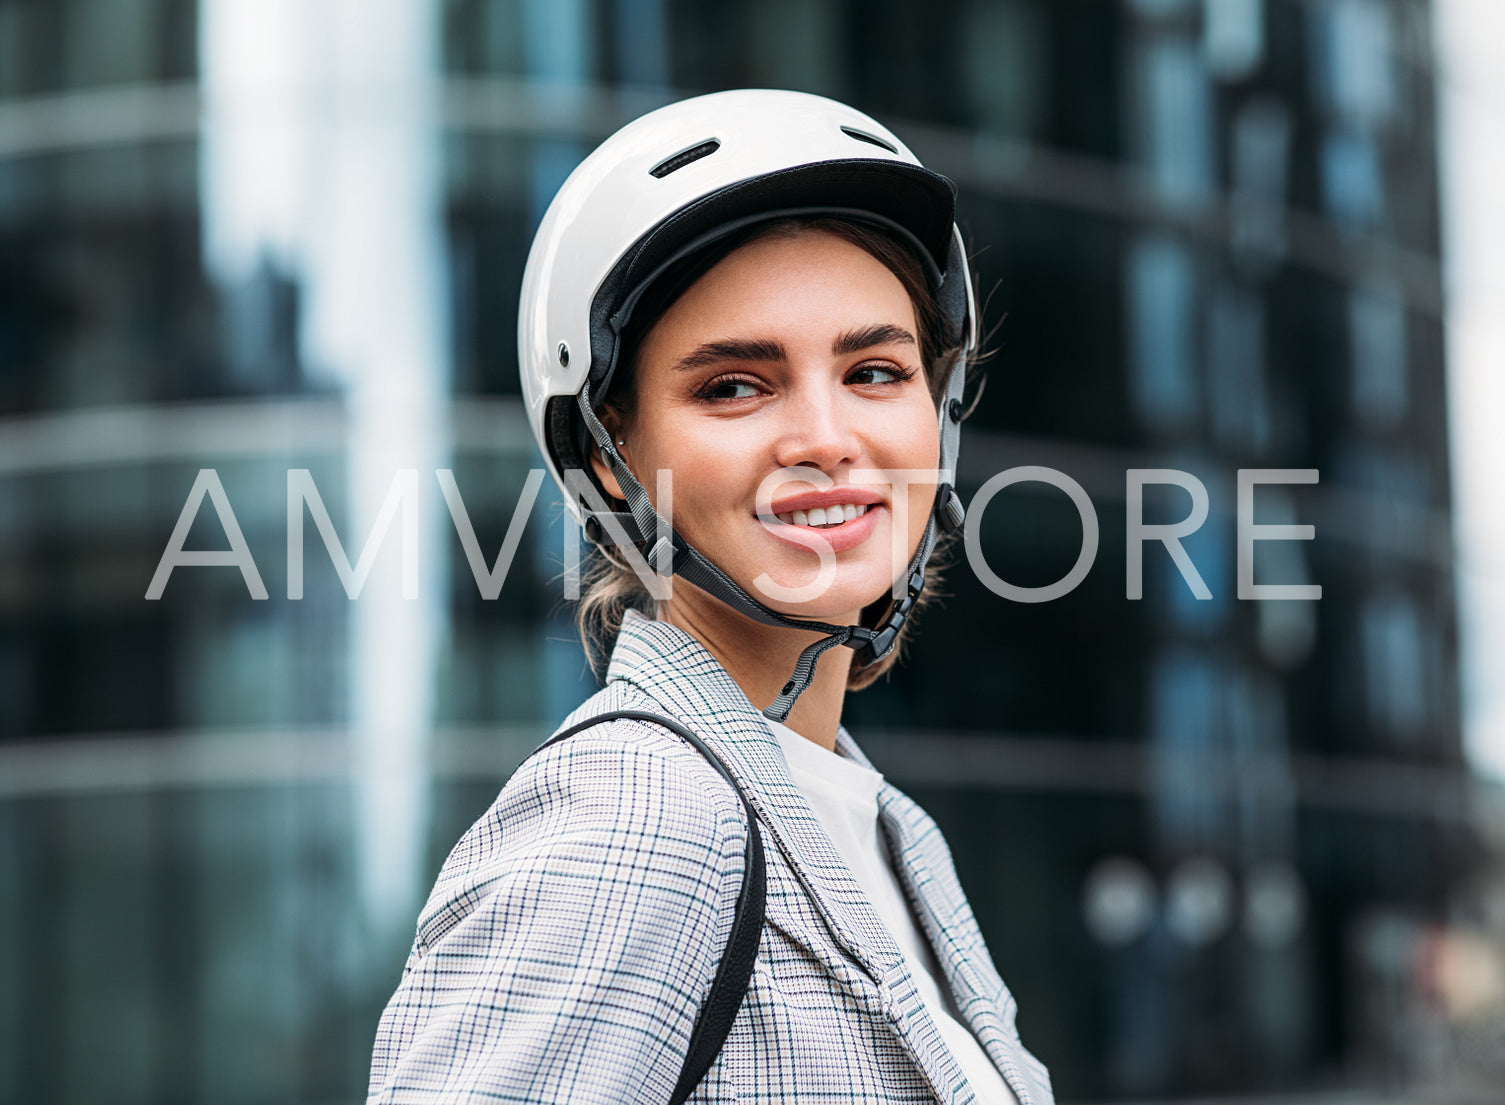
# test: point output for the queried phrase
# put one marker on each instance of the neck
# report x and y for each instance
(760, 658)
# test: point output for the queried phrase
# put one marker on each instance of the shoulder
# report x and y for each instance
(582, 915)
(622, 798)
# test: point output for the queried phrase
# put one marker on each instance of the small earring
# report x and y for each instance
(621, 443)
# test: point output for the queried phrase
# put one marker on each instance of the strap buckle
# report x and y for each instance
(886, 635)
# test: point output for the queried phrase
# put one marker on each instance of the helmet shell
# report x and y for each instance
(678, 175)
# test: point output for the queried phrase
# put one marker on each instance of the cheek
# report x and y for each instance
(677, 438)
(918, 438)
(919, 449)
(700, 474)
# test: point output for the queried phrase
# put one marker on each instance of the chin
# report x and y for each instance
(840, 605)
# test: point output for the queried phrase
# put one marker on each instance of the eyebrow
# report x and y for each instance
(762, 349)
(731, 349)
(885, 333)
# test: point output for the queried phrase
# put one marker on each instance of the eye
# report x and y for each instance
(882, 373)
(728, 387)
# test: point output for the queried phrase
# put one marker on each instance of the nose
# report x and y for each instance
(817, 431)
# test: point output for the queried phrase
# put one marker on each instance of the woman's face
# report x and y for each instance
(791, 353)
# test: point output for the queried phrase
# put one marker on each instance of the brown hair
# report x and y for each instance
(608, 585)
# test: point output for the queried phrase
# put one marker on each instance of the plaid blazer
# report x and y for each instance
(574, 930)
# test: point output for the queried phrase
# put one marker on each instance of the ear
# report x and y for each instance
(599, 466)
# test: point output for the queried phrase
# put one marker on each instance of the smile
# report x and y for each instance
(824, 516)
(839, 527)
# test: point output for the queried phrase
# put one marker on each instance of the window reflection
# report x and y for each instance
(238, 235)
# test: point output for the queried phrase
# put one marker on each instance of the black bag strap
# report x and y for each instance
(714, 1021)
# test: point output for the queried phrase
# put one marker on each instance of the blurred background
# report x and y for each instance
(1262, 843)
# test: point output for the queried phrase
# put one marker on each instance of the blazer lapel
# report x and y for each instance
(676, 671)
(930, 878)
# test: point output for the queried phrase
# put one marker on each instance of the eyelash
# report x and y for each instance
(898, 372)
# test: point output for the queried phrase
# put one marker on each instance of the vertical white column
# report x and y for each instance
(1470, 58)
(321, 149)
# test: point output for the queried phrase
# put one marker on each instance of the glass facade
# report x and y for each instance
(283, 242)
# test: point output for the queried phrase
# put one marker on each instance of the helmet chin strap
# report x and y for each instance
(670, 554)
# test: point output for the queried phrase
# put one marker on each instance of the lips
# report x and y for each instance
(843, 517)
(844, 535)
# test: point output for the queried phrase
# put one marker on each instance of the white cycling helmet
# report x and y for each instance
(662, 189)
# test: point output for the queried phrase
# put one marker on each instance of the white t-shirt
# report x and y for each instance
(844, 796)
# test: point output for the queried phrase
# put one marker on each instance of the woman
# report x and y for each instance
(744, 329)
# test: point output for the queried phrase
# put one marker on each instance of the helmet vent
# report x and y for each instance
(680, 160)
(872, 140)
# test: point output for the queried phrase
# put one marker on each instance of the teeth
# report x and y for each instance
(823, 516)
